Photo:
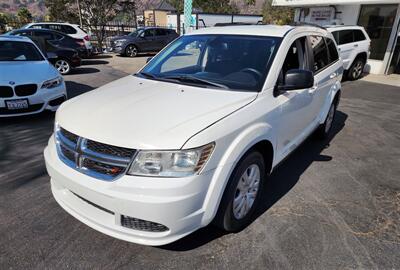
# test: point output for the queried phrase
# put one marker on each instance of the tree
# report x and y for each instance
(24, 15)
(62, 10)
(98, 13)
(277, 15)
(3, 23)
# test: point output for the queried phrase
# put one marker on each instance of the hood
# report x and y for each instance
(145, 114)
(33, 72)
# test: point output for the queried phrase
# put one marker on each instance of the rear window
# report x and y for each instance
(68, 29)
(346, 36)
(359, 35)
(19, 51)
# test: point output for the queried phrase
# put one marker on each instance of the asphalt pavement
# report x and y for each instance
(333, 204)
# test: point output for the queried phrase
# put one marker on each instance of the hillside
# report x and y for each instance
(38, 9)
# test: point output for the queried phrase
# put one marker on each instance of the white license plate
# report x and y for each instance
(17, 104)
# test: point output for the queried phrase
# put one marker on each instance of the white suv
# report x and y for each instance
(73, 30)
(354, 48)
(193, 137)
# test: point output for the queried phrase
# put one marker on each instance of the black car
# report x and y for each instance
(55, 38)
(64, 59)
(150, 39)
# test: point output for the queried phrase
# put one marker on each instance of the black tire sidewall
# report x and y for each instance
(350, 72)
(225, 216)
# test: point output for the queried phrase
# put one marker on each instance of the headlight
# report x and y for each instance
(120, 41)
(178, 163)
(52, 83)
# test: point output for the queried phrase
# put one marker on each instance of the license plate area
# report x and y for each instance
(17, 104)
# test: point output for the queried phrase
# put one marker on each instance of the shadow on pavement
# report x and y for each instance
(89, 62)
(75, 89)
(99, 56)
(84, 70)
(281, 181)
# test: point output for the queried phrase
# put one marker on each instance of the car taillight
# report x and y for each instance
(86, 38)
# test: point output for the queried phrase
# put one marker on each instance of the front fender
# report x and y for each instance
(228, 160)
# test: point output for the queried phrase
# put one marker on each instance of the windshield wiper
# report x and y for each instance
(148, 75)
(188, 78)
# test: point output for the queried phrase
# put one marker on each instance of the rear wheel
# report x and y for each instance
(131, 51)
(242, 193)
(356, 69)
(63, 66)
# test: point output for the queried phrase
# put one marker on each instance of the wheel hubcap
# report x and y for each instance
(358, 69)
(246, 191)
(132, 51)
(62, 66)
(329, 119)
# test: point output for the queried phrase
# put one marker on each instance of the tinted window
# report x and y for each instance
(320, 53)
(161, 32)
(229, 61)
(24, 34)
(333, 54)
(346, 36)
(19, 51)
(68, 29)
(149, 33)
(359, 35)
(55, 27)
(336, 36)
(45, 35)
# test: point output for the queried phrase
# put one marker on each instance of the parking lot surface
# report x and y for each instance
(332, 204)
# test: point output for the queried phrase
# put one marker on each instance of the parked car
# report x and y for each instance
(142, 40)
(28, 82)
(192, 138)
(354, 48)
(65, 59)
(73, 30)
(55, 38)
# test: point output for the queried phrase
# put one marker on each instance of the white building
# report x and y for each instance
(380, 18)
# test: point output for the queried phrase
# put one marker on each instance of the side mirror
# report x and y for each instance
(51, 56)
(297, 79)
(148, 59)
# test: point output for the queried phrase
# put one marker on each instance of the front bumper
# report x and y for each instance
(43, 99)
(176, 203)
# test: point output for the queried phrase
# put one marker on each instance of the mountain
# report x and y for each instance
(38, 9)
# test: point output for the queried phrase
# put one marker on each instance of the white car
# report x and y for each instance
(192, 138)
(354, 48)
(29, 83)
(72, 30)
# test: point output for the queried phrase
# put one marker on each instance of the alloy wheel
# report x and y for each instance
(357, 70)
(131, 51)
(246, 191)
(62, 66)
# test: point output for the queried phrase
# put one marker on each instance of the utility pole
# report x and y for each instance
(80, 13)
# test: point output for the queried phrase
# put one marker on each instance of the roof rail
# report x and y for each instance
(307, 24)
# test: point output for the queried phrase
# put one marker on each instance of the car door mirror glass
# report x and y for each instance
(296, 79)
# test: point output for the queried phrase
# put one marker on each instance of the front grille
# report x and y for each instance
(101, 161)
(6, 91)
(142, 225)
(31, 108)
(109, 149)
(25, 90)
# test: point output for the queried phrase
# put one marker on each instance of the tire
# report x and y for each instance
(131, 50)
(325, 128)
(63, 66)
(356, 69)
(229, 216)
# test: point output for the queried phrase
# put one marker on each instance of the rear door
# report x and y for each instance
(161, 38)
(347, 47)
(147, 41)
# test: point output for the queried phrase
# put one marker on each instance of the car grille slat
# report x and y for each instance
(101, 161)
(142, 225)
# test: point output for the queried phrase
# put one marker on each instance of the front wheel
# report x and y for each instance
(63, 66)
(242, 193)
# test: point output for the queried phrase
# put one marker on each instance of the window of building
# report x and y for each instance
(378, 22)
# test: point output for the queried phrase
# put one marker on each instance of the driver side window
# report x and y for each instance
(296, 58)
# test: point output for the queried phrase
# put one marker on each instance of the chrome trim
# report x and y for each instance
(82, 153)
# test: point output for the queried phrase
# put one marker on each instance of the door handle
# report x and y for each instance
(356, 45)
(333, 75)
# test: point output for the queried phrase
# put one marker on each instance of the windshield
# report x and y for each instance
(19, 51)
(135, 33)
(216, 61)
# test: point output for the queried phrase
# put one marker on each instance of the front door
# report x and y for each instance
(296, 105)
(147, 41)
